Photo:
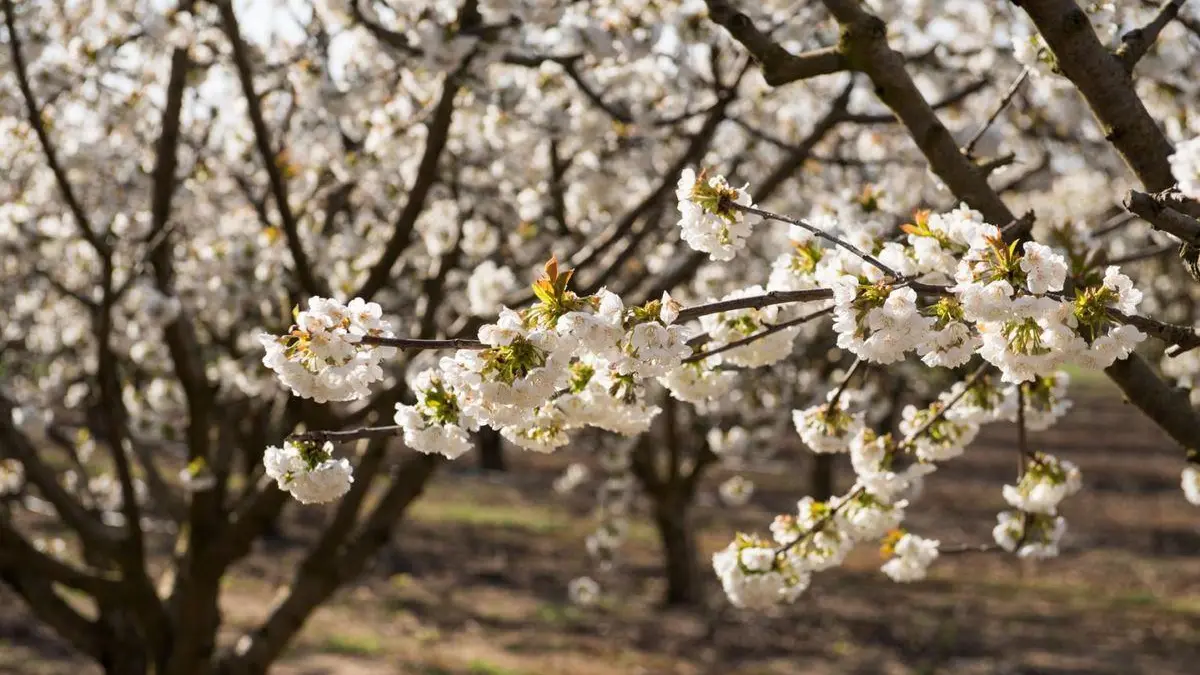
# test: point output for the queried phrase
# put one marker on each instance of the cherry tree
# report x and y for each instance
(245, 265)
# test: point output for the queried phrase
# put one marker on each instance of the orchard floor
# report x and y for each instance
(475, 582)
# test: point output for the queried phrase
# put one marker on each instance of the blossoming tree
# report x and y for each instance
(309, 237)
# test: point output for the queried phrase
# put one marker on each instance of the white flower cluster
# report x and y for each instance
(323, 356)
(709, 219)
(1190, 480)
(1029, 535)
(699, 381)
(308, 472)
(1046, 481)
(436, 424)
(1185, 166)
(1005, 304)
(583, 591)
(911, 558)
(753, 576)
(1035, 529)
(736, 491)
(876, 321)
(826, 429)
(12, 477)
(1031, 51)
(565, 363)
(950, 288)
(890, 475)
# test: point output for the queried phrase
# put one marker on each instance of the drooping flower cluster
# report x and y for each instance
(878, 322)
(889, 476)
(1046, 481)
(752, 577)
(910, 557)
(827, 428)
(1029, 535)
(308, 471)
(1035, 529)
(436, 424)
(562, 364)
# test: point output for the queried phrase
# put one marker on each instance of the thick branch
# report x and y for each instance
(864, 40)
(1167, 406)
(49, 607)
(319, 578)
(779, 66)
(1151, 209)
(1108, 88)
(18, 553)
(1138, 41)
(1144, 146)
(437, 132)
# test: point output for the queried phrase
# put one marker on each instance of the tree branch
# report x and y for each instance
(318, 578)
(437, 133)
(269, 154)
(1167, 406)
(347, 435)
(1153, 210)
(969, 147)
(1137, 42)
(864, 40)
(950, 99)
(34, 114)
(779, 66)
(1108, 88)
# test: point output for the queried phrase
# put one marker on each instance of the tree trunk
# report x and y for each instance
(491, 450)
(672, 518)
(821, 477)
(125, 652)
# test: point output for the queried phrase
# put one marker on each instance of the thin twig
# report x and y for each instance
(1143, 255)
(414, 343)
(825, 520)
(1115, 223)
(767, 215)
(958, 549)
(937, 417)
(347, 435)
(1004, 103)
(1022, 436)
(753, 302)
(758, 336)
(837, 394)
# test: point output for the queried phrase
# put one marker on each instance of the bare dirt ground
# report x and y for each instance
(475, 581)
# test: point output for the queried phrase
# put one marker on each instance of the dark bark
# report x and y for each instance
(491, 451)
(821, 477)
(672, 517)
